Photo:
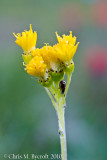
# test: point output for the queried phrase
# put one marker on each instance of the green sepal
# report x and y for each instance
(47, 82)
(57, 76)
(26, 58)
(69, 68)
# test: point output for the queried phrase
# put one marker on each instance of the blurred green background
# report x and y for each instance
(28, 122)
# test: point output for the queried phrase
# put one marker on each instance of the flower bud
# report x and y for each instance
(57, 75)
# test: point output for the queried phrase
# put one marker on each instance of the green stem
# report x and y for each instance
(58, 101)
(68, 82)
(62, 132)
(52, 100)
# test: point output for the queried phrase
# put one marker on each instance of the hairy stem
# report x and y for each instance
(68, 82)
(58, 101)
(62, 132)
(52, 100)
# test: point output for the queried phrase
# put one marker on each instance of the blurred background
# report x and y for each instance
(28, 122)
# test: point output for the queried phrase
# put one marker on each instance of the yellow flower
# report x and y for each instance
(48, 55)
(65, 48)
(61, 53)
(36, 67)
(27, 40)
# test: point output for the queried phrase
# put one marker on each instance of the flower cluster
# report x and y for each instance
(48, 63)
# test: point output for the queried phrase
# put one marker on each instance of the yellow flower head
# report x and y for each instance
(65, 48)
(36, 67)
(27, 40)
(56, 58)
(48, 55)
